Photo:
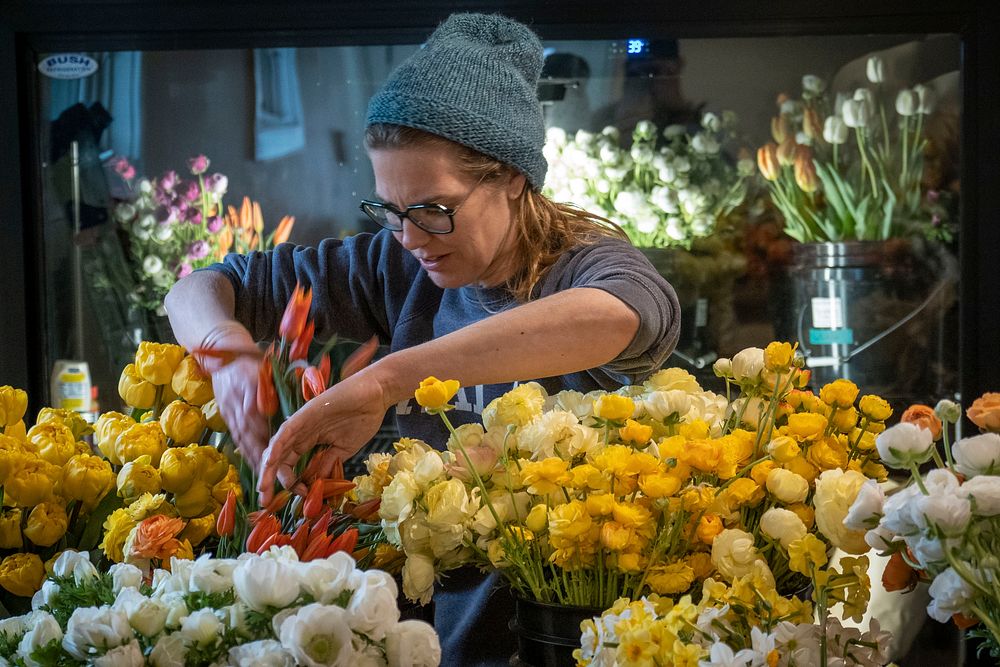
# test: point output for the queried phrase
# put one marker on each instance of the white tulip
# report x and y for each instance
(813, 84)
(866, 511)
(984, 492)
(951, 595)
(412, 644)
(856, 113)
(927, 98)
(875, 69)
(905, 444)
(978, 455)
(906, 102)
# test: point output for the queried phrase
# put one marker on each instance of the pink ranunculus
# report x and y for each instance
(184, 269)
(191, 191)
(482, 457)
(217, 184)
(193, 216)
(169, 181)
(199, 250)
(198, 164)
(214, 224)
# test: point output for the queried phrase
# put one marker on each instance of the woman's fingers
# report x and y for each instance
(279, 459)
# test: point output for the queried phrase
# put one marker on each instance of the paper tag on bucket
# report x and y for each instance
(827, 313)
(701, 312)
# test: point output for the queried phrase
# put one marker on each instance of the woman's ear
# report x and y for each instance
(516, 185)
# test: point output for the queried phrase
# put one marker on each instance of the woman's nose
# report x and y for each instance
(412, 237)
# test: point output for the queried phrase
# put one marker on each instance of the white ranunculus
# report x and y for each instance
(556, 135)
(373, 609)
(866, 511)
(857, 113)
(124, 212)
(148, 616)
(747, 364)
(978, 455)
(929, 552)
(813, 84)
(412, 644)
(91, 628)
(449, 503)
(660, 405)
(984, 492)
(212, 575)
(177, 609)
(941, 481)
(787, 486)
(163, 233)
(583, 138)
(152, 265)
(164, 278)
(43, 630)
(398, 496)
(723, 367)
(750, 409)
(704, 143)
(951, 595)
(906, 102)
(782, 525)
(169, 651)
(949, 512)
(326, 578)
(428, 469)
(201, 628)
(836, 491)
(140, 233)
(262, 653)
(266, 582)
(418, 578)
(880, 538)
(319, 636)
(556, 433)
(904, 444)
(581, 405)
(733, 553)
(898, 511)
(45, 595)
(74, 564)
(875, 69)
(124, 575)
(126, 655)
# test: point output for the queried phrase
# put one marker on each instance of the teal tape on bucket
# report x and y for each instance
(831, 336)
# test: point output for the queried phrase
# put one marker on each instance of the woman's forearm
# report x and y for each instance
(198, 304)
(564, 333)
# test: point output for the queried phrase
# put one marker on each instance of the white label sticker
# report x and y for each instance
(67, 66)
(827, 313)
(701, 312)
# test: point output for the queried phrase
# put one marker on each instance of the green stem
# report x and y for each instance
(919, 480)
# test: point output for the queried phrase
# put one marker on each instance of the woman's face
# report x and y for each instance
(483, 220)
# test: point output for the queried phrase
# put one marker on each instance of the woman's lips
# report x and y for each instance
(431, 263)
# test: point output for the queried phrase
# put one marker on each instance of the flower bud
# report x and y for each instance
(723, 367)
(767, 161)
(834, 130)
(191, 383)
(46, 524)
(156, 362)
(813, 84)
(805, 171)
(906, 102)
(857, 113)
(87, 478)
(213, 418)
(875, 69)
(13, 404)
(134, 390)
(926, 99)
(948, 411)
(780, 128)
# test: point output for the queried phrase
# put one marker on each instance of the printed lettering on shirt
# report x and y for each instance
(403, 407)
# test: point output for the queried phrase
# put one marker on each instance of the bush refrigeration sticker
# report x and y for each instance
(831, 336)
(67, 66)
(827, 313)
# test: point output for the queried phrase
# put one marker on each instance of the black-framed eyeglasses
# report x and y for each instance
(432, 218)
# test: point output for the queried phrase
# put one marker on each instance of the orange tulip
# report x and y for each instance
(224, 241)
(779, 128)
(267, 395)
(347, 542)
(156, 537)
(767, 162)
(313, 383)
(278, 502)
(324, 369)
(805, 170)
(321, 524)
(300, 538)
(296, 313)
(360, 358)
(313, 505)
(366, 510)
(284, 229)
(300, 346)
(266, 528)
(924, 417)
(317, 547)
(226, 522)
(811, 124)
(786, 152)
(336, 487)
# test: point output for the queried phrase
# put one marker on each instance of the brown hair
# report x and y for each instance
(544, 229)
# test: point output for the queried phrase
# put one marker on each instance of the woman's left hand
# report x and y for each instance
(345, 417)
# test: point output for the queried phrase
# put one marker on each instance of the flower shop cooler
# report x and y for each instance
(821, 175)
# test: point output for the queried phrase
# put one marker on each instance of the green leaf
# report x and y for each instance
(91, 536)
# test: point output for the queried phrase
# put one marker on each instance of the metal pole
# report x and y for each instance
(76, 257)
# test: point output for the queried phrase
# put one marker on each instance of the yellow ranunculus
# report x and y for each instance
(545, 476)
(156, 362)
(197, 530)
(704, 455)
(184, 552)
(517, 407)
(53, 441)
(744, 491)
(668, 379)
(72, 419)
(213, 417)
(660, 485)
(191, 383)
(760, 471)
(568, 524)
(182, 422)
(134, 390)
(634, 516)
(701, 564)
(698, 498)
(139, 440)
(600, 504)
(827, 454)
(614, 407)
(805, 553)
(840, 392)
(116, 530)
(46, 524)
(537, 518)
(106, 431)
(875, 471)
(196, 501)
(845, 419)
(709, 525)
(635, 433)
(87, 478)
(230, 482)
(32, 483)
(10, 529)
(875, 407)
(778, 356)
(783, 448)
(13, 404)
(801, 467)
(804, 512)
(136, 478)
(806, 426)
(434, 394)
(670, 579)
(22, 574)
(615, 536)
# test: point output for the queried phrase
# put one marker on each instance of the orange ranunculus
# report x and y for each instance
(312, 383)
(267, 395)
(296, 313)
(924, 417)
(300, 346)
(767, 161)
(898, 574)
(963, 622)
(985, 412)
(284, 229)
(156, 537)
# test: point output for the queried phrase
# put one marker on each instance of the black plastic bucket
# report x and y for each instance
(547, 634)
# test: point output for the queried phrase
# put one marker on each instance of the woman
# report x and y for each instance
(476, 276)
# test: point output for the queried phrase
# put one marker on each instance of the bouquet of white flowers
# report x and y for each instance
(254, 610)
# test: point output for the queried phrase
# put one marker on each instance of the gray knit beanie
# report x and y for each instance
(475, 82)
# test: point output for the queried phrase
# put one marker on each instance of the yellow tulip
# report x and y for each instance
(134, 390)
(614, 407)
(32, 483)
(184, 552)
(22, 574)
(53, 441)
(156, 362)
(106, 431)
(17, 430)
(46, 524)
(138, 477)
(197, 530)
(183, 423)
(13, 404)
(191, 383)
(141, 439)
(12, 455)
(149, 504)
(178, 469)
(87, 478)
(71, 419)
(213, 417)
(10, 529)
(635, 433)
(230, 482)
(434, 394)
(195, 501)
